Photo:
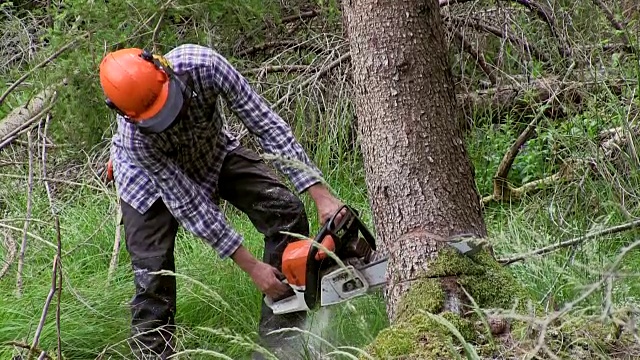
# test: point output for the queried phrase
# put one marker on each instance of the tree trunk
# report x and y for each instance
(419, 178)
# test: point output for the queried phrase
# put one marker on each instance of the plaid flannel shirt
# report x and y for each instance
(182, 164)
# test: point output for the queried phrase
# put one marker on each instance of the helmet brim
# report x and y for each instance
(169, 112)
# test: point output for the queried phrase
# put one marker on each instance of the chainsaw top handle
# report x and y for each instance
(331, 235)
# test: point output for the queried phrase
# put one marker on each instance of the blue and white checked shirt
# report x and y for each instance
(182, 164)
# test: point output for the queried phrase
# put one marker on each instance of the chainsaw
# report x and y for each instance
(333, 267)
(337, 265)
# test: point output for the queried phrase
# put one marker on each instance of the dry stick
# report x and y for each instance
(574, 241)
(11, 253)
(116, 245)
(62, 181)
(301, 16)
(23, 245)
(58, 257)
(516, 193)
(478, 56)
(44, 62)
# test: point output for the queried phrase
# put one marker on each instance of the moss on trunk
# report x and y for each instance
(416, 335)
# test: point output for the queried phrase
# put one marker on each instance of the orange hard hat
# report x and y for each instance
(141, 88)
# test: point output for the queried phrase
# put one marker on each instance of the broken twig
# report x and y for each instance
(578, 240)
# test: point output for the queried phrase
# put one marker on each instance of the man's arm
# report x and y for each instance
(272, 132)
(201, 216)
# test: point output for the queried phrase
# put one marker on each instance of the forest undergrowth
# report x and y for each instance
(575, 174)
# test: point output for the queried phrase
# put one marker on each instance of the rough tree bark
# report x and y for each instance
(419, 177)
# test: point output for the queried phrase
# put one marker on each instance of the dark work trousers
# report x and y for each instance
(248, 184)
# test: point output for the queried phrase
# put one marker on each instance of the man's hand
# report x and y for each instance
(326, 203)
(264, 276)
(266, 279)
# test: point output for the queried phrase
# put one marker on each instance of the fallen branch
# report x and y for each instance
(575, 241)
(43, 63)
(520, 42)
(21, 118)
(500, 188)
(477, 55)
(510, 193)
(612, 20)
(47, 303)
(267, 45)
(10, 245)
(524, 99)
(547, 16)
(23, 245)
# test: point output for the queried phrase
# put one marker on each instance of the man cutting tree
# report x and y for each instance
(172, 163)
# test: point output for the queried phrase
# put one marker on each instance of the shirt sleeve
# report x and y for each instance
(272, 132)
(184, 199)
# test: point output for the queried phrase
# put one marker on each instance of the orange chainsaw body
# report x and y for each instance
(294, 259)
(305, 261)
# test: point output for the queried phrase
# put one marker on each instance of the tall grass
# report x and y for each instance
(218, 306)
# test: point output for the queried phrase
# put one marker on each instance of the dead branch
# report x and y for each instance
(154, 36)
(44, 62)
(520, 42)
(305, 15)
(523, 99)
(23, 245)
(507, 160)
(547, 16)
(612, 20)
(477, 55)
(10, 245)
(451, 2)
(320, 73)
(574, 241)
